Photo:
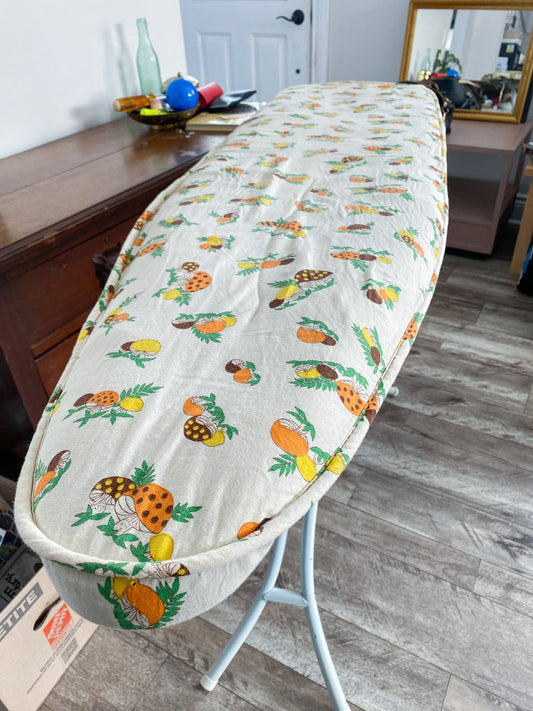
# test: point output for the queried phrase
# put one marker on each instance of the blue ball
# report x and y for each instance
(181, 95)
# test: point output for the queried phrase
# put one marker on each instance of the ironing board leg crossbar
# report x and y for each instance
(306, 599)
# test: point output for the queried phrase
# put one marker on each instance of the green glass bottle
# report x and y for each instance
(147, 62)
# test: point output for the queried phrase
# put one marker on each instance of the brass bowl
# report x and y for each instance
(170, 119)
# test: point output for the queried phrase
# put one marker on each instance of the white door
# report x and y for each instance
(240, 44)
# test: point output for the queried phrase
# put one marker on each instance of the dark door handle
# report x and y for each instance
(297, 17)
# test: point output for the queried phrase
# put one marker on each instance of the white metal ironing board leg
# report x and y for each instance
(306, 599)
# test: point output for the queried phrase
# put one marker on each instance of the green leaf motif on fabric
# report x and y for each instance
(285, 465)
(145, 474)
(183, 513)
(88, 515)
(108, 529)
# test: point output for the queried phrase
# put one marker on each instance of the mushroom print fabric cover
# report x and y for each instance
(248, 334)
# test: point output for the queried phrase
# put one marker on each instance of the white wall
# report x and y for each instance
(366, 39)
(60, 75)
(64, 62)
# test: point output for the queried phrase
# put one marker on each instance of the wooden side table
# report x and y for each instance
(60, 205)
(526, 227)
(476, 206)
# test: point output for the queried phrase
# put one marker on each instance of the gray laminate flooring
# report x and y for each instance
(424, 556)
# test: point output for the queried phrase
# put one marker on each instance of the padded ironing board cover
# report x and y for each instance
(248, 333)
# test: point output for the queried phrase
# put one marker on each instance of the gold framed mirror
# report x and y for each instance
(488, 43)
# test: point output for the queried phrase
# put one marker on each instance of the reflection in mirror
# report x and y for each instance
(485, 49)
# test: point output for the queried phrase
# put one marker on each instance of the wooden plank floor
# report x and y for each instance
(424, 558)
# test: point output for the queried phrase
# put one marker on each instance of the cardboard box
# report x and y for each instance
(39, 637)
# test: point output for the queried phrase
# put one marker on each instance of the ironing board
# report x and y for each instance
(249, 331)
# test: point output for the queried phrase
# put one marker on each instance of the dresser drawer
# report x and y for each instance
(57, 291)
(52, 363)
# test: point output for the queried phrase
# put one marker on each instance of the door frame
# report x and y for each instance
(319, 43)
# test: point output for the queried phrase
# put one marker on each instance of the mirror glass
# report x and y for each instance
(485, 50)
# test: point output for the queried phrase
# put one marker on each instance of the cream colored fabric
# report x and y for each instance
(249, 332)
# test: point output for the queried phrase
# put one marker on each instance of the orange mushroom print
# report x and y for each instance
(271, 160)
(344, 164)
(206, 422)
(256, 201)
(308, 206)
(154, 248)
(180, 219)
(109, 404)
(292, 177)
(360, 259)
(352, 396)
(322, 192)
(183, 282)
(138, 606)
(232, 170)
(133, 512)
(143, 219)
(293, 437)
(374, 403)
(227, 218)
(251, 528)
(212, 243)
(243, 371)
(378, 293)
(207, 327)
(388, 189)
(404, 160)
(322, 375)
(198, 199)
(412, 328)
(186, 189)
(48, 477)
(304, 283)
(362, 208)
(356, 228)
(291, 229)
(117, 315)
(409, 238)
(140, 352)
(382, 150)
(327, 137)
(333, 377)
(312, 331)
(255, 264)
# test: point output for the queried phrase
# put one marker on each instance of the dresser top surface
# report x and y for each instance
(43, 188)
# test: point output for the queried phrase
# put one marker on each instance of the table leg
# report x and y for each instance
(306, 599)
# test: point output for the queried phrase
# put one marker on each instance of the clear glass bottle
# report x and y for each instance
(147, 62)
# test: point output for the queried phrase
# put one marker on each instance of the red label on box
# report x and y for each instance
(58, 627)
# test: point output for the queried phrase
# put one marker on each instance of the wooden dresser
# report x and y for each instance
(61, 204)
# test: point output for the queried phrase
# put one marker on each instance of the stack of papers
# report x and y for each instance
(224, 121)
